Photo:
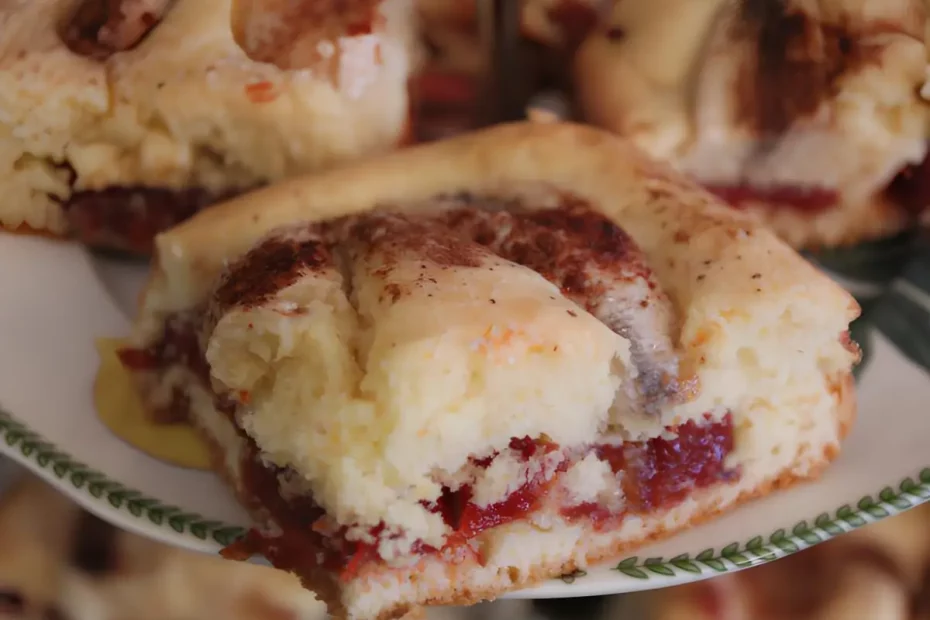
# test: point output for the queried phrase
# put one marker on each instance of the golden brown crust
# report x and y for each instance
(327, 587)
(672, 219)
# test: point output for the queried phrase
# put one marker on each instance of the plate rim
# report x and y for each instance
(100, 493)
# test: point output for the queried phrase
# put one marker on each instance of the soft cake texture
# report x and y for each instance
(761, 336)
(435, 384)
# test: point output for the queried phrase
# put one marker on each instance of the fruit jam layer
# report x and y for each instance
(805, 200)
(129, 218)
(909, 191)
(178, 346)
(651, 475)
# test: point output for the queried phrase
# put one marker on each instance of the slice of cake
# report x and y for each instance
(463, 368)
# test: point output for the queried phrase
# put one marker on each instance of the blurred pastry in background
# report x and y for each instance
(449, 87)
(881, 572)
(918, 181)
(120, 118)
(59, 562)
(562, 23)
(36, 526)
(805, 114)
(554, 29)
(446, 87)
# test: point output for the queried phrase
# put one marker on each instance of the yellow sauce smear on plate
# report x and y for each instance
(120, 410)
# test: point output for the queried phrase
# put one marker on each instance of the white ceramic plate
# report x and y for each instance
(56, 300)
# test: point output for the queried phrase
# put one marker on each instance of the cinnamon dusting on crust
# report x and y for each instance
(394, 232)
(271, 266)
(592, 260)
(561, 244)
(598, 266)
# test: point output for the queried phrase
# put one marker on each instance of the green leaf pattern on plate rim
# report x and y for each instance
(100, 487)
(891, 280)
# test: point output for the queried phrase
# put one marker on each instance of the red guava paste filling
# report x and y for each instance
(909, 190)
(129, 218)
(657, 473)
(811, 200)
(178, 346)
(305, 546)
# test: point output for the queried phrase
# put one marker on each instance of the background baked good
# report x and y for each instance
(881, 572)
(801, 113)
(57, 561)
(118, 119)
(451, 87)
